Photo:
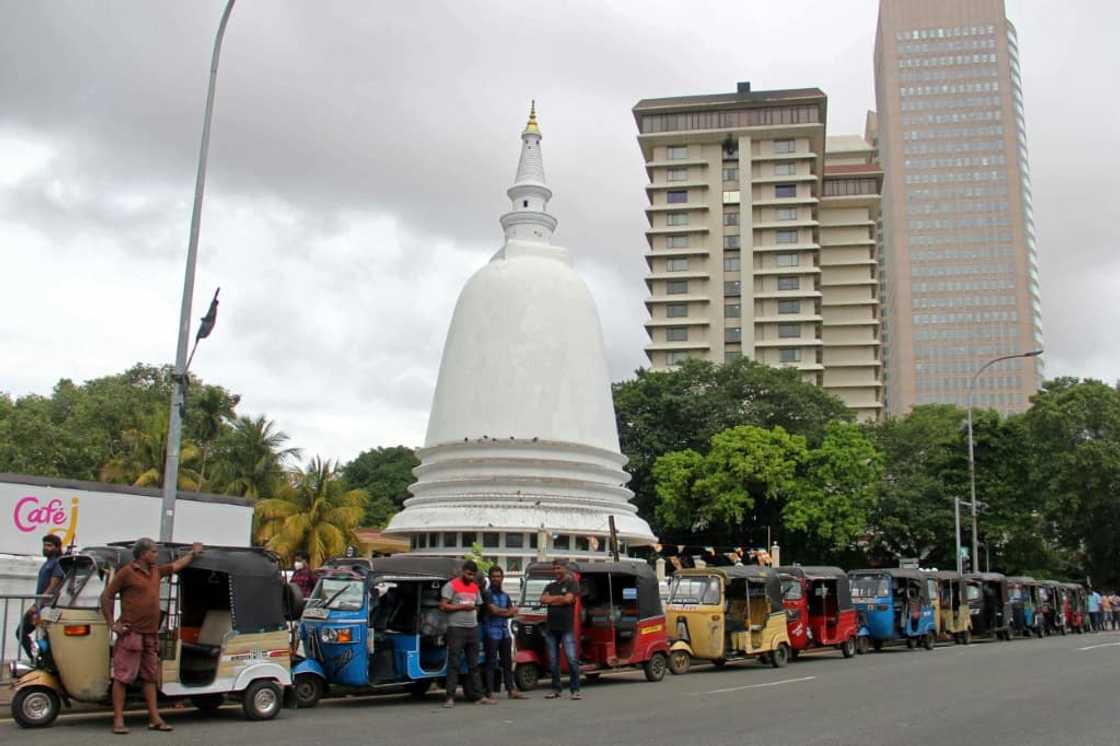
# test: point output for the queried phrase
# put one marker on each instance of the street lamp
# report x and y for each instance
(971, 447)
(179, 377)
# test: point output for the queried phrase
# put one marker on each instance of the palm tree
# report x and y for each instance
(210, 411)
(253, 458)
(141, 463)
(313, 513)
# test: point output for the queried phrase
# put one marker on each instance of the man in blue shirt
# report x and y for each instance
(495, 635)
(50, 578)
(1095, 611)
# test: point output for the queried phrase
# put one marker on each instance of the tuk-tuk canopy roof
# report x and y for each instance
(243, 561)
(820, 572)
(258, 594)
(408, 564)
(943, 574)
(1023, 579)
(751, 573)
(904, 573)
(823, 572)
(987, 577)
(649, 595)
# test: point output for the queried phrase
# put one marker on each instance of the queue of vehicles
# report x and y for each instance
(235, 630)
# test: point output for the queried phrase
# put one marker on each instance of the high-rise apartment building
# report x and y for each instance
(762, 238)
(959, 258)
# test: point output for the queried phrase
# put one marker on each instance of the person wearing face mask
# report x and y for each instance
(50, 578)
(303, 577)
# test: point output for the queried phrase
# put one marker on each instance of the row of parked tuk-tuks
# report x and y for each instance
(233, 628)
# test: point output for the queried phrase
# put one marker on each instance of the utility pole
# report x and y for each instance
(179, 377)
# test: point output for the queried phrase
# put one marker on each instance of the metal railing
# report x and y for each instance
(11, 648)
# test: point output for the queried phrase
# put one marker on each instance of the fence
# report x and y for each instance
(12, 610)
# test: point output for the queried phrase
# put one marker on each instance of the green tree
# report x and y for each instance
(748, 472)
(252, 458)
(925, 467)
(385, 474)
(145, 450)
(839, 487)
(314, 513)
(1074, 436)
(208, 413)
(682, 408)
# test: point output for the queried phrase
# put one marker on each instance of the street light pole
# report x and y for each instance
(971, 446)
(957, 522)
(179, 377)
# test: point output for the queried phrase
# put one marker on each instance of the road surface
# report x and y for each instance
(1060, 690)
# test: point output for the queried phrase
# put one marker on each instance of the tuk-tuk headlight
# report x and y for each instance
(515, 627)
(336, 634)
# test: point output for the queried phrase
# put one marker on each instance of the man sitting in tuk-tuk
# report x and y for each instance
(136, 652)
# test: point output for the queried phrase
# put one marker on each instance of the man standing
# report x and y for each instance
(303, 577)
(1103, 618)
(460, 600)
(560, 597)
(50, 578)
(1094, 610)
(496, 638)
(136, 651)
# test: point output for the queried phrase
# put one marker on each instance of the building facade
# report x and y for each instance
(761, 242)
(960, 257)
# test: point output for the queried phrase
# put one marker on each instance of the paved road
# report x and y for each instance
(1058, 691)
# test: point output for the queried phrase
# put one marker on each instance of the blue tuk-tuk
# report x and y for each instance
(894, 604)
(1026, 606)
(376, 624)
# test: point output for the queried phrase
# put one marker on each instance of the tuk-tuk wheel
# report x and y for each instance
(911, 643)
(966, 637)
(35, 706)
(849, 647)
(927, 641)
(309, 689)
(262, 700)
(656, 666)
(863, 645)
(526, 676)
(780, 657)
(679, 662)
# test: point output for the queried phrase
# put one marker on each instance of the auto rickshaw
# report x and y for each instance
(376, 625)
(1058, 608)
(1026, 607)
(1078, 607)
(224, 633)
(953, 618)
(988, 604)
(619, 621)
(819, 611)
(894, 604)
(724, 614)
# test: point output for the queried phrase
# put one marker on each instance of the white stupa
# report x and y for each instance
(522, 445)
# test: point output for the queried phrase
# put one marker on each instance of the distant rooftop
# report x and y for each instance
(744, 95)
(846, 144)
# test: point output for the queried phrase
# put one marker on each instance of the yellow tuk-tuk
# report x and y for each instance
(224, 632)
(954, 621)
(722, 614)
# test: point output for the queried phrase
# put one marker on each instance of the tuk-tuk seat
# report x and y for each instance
(217, 624)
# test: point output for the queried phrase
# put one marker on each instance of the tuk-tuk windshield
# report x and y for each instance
(791, 589)
(694, 589)
(344, 594)
(973, 592)
(870, 586)
(82, 586)
(532, 589)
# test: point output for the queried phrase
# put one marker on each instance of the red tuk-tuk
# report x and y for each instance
(1078, 607)
(819, 610)
(619, 622)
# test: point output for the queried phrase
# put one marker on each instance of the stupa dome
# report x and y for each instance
(522, 443)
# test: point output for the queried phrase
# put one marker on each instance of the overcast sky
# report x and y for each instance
(358, 165)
